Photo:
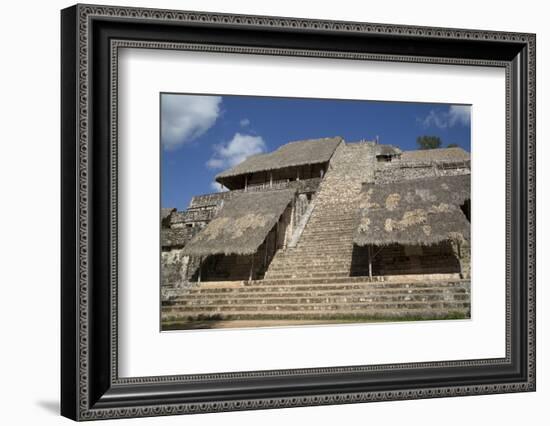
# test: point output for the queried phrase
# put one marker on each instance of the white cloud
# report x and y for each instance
(456, 115)
(186, 117)
(459, 114)
(215, 163)
(437, 119)
(236, 151)
(245, 122)
(216, 187)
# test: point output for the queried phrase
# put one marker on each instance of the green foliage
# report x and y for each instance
(452, 145)
(428, 142)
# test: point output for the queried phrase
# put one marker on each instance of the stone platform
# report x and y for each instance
(321, 299)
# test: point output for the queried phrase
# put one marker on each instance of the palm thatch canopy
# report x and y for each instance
(165, 212)
(414, 212)
(166, 215)
(387, 150)
(437, 154)
(299, 153)
(242, 224)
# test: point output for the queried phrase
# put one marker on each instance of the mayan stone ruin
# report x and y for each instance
(323, 230)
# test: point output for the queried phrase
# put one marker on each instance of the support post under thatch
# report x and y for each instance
(250, 276)
(290, 229)
(276, 236)
(270, 179)
(246, 183)
(370, 261)
(457, 248)
(266, 243)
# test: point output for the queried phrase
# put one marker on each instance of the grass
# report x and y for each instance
(218, 322)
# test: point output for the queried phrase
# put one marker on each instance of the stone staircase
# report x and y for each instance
(328, 299)
(312, 282)
(326, 244)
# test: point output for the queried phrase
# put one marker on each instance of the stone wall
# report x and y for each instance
(176, 271)
(302, 186)
(325, 211)
(395, 171)
(179, 271)
(179, 219)
(406, 260)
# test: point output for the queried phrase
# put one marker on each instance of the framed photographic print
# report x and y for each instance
(263, 212)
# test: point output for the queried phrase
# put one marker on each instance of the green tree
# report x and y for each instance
(452, 145)
(428, 142)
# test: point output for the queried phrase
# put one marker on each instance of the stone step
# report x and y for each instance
(345, 210)
(310, 292)
(320, 243)
(408, 280)
(324, 287)
(329, 232)
(308, 307)
(306, 274)
(269, 299)
(311, 267)
(302, 253)
(320, 226)
(363, 287)
(319, 294)
(323, 245)
(323, 211)
(322, 259)
(314, 250)
(363, 315)
(332, 234)
(319, 257)
(325, 268)
(332, 223)
(341, 220)
(324, 225)
(342, 236)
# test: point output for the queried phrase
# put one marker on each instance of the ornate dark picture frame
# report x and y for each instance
(91, 37)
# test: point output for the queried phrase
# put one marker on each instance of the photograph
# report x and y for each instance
(272, 208)
(279, 211)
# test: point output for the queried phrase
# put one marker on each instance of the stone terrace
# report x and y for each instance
(309, 299)
(311, 281)
(325, 246)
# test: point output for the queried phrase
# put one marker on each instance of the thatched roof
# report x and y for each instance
(165, 213)
(437, 154)
(414, 212)
(387, 150)
(292, 154)
(242, 224)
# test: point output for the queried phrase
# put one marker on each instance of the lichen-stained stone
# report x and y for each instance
(421, 266)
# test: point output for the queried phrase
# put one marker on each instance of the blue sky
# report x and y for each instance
(201, 135)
